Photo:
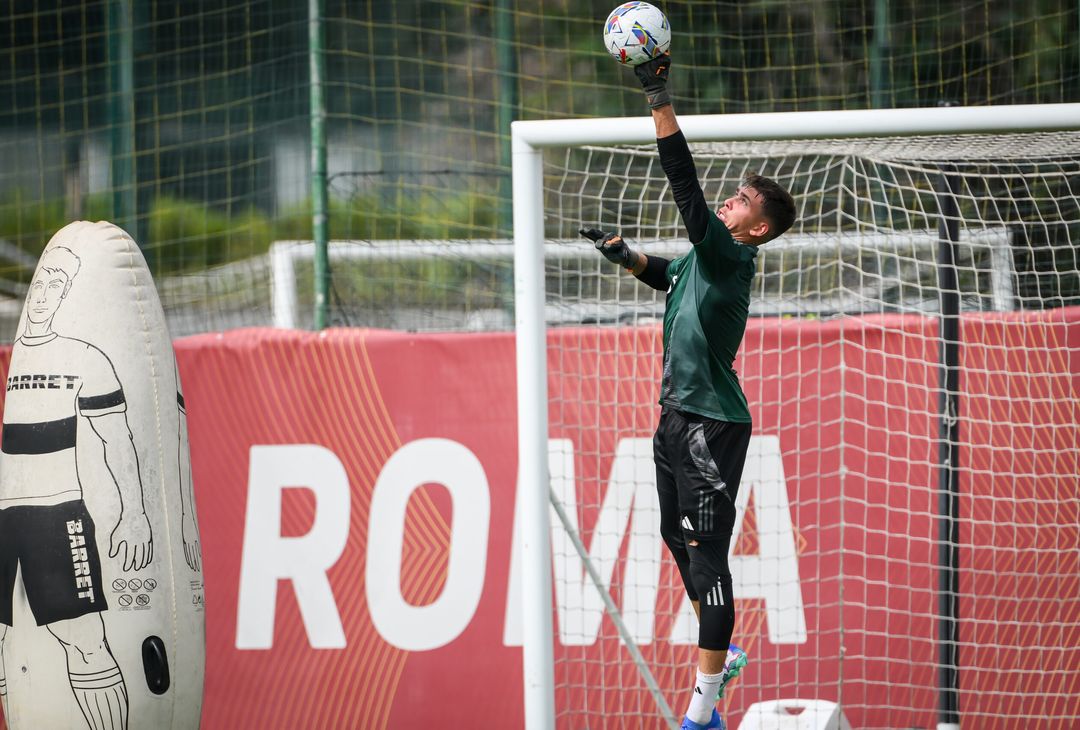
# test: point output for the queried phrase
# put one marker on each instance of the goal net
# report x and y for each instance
(908, 539)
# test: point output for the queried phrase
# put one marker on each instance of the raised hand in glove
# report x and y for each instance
(612, 246)
(653, 76)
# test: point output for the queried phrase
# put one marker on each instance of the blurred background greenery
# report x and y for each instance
(201, 145)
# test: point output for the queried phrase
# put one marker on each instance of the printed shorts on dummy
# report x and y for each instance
(56, 548)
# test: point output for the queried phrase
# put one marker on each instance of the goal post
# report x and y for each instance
(1010, 169)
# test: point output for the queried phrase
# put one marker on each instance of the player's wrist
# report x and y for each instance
(659, 99)
(653, 76)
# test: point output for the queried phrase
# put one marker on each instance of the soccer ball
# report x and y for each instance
(636, 32)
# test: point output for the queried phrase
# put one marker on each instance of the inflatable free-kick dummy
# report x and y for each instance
(101, 587)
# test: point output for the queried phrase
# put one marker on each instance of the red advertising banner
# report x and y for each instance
(356, 493)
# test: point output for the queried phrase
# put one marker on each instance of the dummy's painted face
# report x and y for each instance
(46, 293)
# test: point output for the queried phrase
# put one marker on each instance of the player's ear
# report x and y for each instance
(67, 288)
(761, 229)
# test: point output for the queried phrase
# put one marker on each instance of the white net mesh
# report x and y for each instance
(836, 559)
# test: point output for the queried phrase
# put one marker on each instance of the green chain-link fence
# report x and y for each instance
(189, 123)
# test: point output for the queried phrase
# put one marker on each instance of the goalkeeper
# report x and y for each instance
(701, 440)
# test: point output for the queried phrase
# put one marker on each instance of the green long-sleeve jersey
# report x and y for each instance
(707, 305)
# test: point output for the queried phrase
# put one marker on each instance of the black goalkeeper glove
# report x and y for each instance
(612, 246)
(653, 76)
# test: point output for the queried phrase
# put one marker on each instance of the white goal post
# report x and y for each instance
(530, 139)
(288, 259)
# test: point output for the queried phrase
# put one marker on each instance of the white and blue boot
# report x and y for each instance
(715, 723)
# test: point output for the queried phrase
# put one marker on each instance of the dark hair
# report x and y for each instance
(776, 203)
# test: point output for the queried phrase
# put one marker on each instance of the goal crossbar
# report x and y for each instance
(802, 125)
